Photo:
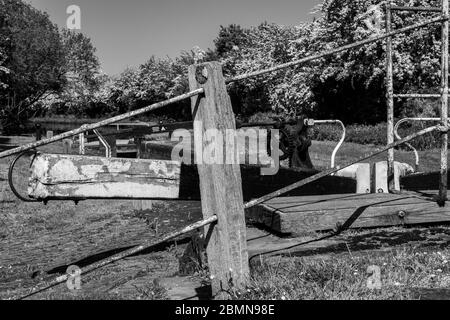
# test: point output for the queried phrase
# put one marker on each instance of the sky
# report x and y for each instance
(128, 32)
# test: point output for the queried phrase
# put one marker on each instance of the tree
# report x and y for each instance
(34, 57)
(245, 50)
(351, 85)
(83, 79)
(157, 80)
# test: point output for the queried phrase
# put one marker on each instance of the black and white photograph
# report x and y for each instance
(224, 157)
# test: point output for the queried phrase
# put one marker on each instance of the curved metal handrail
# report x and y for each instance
(341, 141)
(102, 140)
(398, 137)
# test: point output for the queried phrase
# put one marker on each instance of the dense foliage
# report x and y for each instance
(48, 71)
(34, 57)
(350, 85)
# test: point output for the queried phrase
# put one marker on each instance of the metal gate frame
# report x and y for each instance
(444, 95)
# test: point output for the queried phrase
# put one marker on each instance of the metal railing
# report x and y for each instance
(341, 140)
(398, 137)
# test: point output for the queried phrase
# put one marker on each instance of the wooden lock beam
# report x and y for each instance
(74, 177)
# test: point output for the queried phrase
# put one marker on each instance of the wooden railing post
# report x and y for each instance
(220, 184)
(141, 205)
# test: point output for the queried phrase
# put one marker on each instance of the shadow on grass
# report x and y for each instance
(107, 254)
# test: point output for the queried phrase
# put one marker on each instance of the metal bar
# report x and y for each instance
(390, 99)
(341, 141)
(148, 244)
(100, 124)
(82, 146)
(444, 101)
(424, 9)
(397, 135)
(417, 96)
(338, 50)
(108, 153)
(331, 171)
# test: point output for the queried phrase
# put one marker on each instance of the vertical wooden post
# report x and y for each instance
(220, 184)
(82, 146)
(141, 205)
(444, 108)
(390, 99)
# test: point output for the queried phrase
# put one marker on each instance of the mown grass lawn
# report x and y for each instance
(405, 274)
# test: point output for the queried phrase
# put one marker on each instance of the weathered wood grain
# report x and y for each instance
(220, 184)
(297, 215)
(254, 185)
(78, 177)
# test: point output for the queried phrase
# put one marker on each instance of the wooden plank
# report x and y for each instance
(220, 184)
(315, 203)
(297, 216)
(363, 178)
(77, 177)
(253, 184)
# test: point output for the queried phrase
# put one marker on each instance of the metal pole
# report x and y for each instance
(444, 108)
(390, 99)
